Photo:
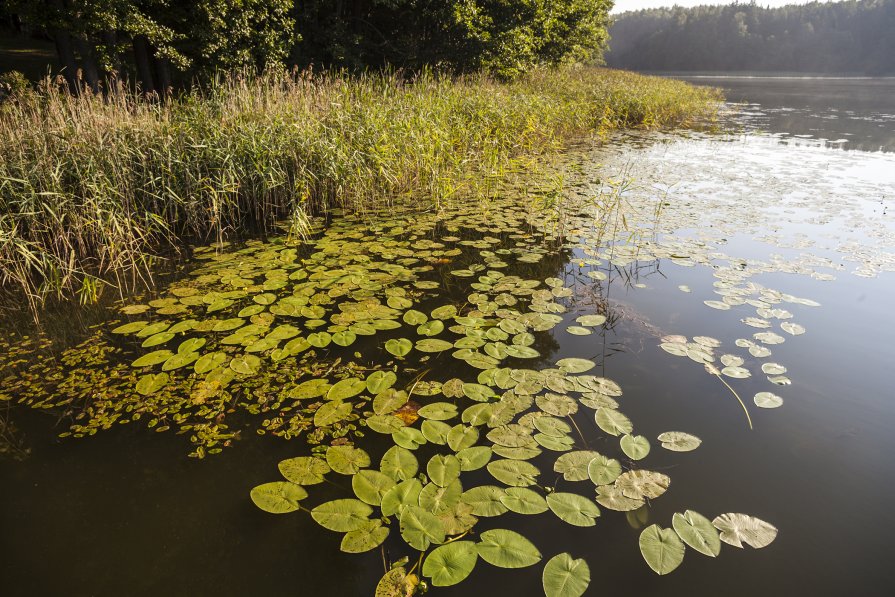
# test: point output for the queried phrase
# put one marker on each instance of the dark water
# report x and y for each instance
(126, 513)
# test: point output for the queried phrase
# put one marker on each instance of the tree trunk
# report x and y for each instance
(67, 59)
(90, 68)
(144, 64)
(163, 76)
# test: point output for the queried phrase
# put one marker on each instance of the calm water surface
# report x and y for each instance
(126, 513)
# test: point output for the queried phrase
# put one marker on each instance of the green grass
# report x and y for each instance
(91, 188)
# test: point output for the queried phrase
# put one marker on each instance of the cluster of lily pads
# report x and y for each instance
(501, 422)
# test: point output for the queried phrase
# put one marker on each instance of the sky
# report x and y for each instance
(623, 5)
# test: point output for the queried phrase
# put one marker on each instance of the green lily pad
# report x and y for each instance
(399, 463)
(369, 486)
(449, 564)
(564, 576)
(433, 345)
(346, 388)
(332, 412)
(507, 549)
(347, 460)
(613, 422)
(342, 516)
(485, 500)
(379, 381)
(575, 365)
(602, 470)
(574, 465)
(697, 531)
(153, 358)
(405, 493)
(517, 473)
(523, 500)
(420, 528)
(399, 347)
(443, 469)
(313, 388)
(474, 458)
(438, 411)
(278, 497)
(246, 364)
(635, 447)
(574, 509)
(304, 470)
(767, 400)
(661, 548)
(152, 383)
(369, 537)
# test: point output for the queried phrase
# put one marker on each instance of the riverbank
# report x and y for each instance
(92, 187)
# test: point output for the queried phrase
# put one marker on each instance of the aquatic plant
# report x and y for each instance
(94, 189)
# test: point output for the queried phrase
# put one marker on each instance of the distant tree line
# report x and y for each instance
(843, 37)
(165, 43)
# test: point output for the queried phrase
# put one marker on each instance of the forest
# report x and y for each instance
(854, 37)
(163, 43)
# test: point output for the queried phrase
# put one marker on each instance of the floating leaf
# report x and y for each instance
(439, 500)
(591, 320)
(342, 516)
(792, 328)
(507, 549)
(523, 501)
(310, 389)
(737, 529)
(610, 496)
(278, 497)
(181, 359)
(613, 422)
(522, 352)
(209, 361)
(347, 460)
(574, 509)
(661, 548)
(603, 470)
(443, 469)
(517, 473)
(485, 500)
(438, 411)
(246, 364)
(153, 358)
(346, 388)
(152, 383)
(575, 365)
(565, 577)
(409, 437)
(767, 400)
(332, 412)
(697, 531)
(399, 346)
(462, 436)
(678, 441)
(430, 328)
(346, 338)
(640, 484)
(371, 536)
(379, 381)
(369, 486)
(399, 463)
(420, 528)
(474, 458)
(635, 447)
(304, 470)
(405, 493)
(388, 401)
(574, 465)
(449, 564)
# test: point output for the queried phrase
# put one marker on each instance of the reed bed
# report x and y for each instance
(92, 188)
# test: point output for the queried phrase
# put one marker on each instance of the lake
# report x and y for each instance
(739, 289)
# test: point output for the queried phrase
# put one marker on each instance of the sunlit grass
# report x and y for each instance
(92, 187)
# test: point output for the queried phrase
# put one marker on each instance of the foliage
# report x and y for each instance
(127, 176)
(819, 37)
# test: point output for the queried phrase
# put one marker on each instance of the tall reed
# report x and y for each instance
(91, 188)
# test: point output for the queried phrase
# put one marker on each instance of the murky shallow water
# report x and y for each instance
(125, 512)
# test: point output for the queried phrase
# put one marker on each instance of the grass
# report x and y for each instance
(92, 188)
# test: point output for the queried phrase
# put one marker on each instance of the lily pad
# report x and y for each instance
(369, 537)
(767, 400)
(449, 564)
(737, 529)
(635, 447)
(347, 460)
(697, 531)
(342, 516)
(564, 576)
(507, 549)
(613, 422)
(399, 463)
(661, 548)
(332, 412)
(369, 486)
(517, 473)
(420, 528)
(278, 497)
(678, 441)
(399, 347)
(574, 509)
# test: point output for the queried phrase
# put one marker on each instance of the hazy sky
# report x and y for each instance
(623, 5)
